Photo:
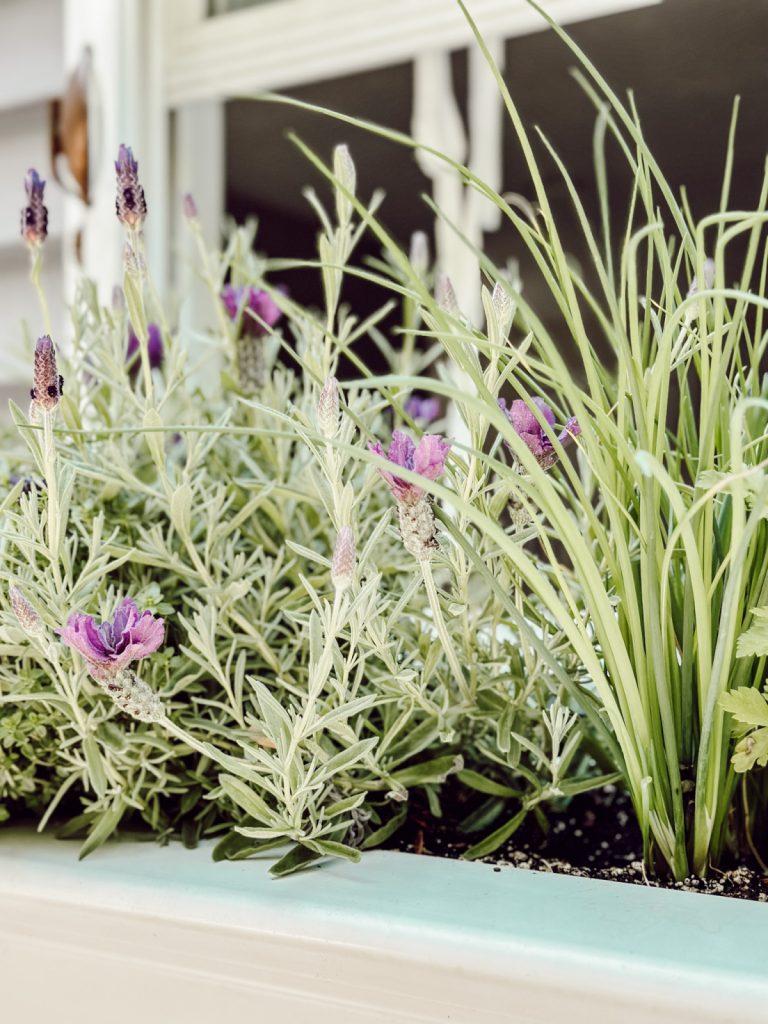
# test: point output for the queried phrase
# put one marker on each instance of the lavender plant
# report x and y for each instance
(209, 624)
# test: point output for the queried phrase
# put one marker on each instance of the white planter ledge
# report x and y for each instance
(142, 934)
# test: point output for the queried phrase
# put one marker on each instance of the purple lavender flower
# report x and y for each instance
(130, 203)
(189, 206)
(423, 410)
(154, 349)
(34, 216)
(241, 299)
(111, 646)
(28, 483)
(528, 427)
(48, 382)
(427, 458)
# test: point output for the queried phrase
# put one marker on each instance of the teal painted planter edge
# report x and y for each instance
(509, 924)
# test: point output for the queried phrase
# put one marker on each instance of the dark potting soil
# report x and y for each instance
(596, 836)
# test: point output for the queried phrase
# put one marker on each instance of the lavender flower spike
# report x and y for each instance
(189, 206)
(328, 408)
(154, 349)
(253, 303)
(344, 559)
(34, 216)
(417, 520)
(130, 203)
(423, 410)
(27, 617)
(258, 312)
(427, 459)
(527, 425)
(48, 382)
(445, 296)
(110, 647)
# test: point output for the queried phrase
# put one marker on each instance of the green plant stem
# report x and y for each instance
(35, 277)
(442, 630)
(52, 489)
(206, 749)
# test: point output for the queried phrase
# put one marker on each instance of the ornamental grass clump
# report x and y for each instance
(210, 625)
(630, 519)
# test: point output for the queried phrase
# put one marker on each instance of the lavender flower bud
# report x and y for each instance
(118, 299)
(419, 254)
(328, 409)
(189, 206)
(423, 410)
(251, 365)
(34, 216)
(26, 615)
(445, 296)
(344, 559)
(344, 168)
(502, 306)
(133, 696)
(130, 203)
(417, 527)
(48, 383)
(708, 275)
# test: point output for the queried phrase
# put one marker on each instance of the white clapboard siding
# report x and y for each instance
(24, 143)
(20, 311)
(31, 56)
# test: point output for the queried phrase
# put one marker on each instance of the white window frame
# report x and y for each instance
(187, 64)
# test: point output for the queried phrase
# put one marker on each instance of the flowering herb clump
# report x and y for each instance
(637, 620)
(427, 458)
(531, 431)
(34, 216)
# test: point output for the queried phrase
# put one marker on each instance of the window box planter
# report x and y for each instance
(143, 933)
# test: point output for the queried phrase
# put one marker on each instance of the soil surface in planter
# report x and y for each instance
(596, 836)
